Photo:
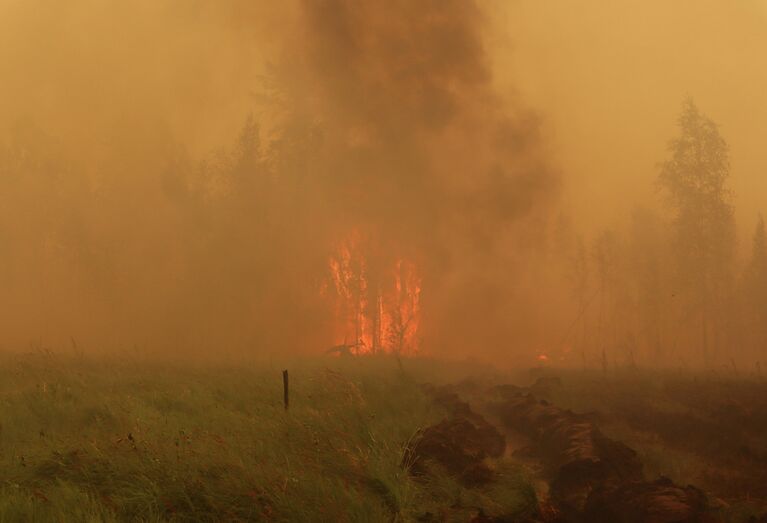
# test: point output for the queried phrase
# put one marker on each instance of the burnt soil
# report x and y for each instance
(592, 477)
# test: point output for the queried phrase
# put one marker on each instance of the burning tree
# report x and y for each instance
(376, 301)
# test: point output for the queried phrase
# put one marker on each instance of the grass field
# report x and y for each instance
(97, 440)
(126, 440)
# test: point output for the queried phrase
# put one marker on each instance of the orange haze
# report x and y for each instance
(190, 177)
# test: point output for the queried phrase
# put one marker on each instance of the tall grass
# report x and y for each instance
(121, 441)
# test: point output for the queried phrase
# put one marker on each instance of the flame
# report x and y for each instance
(542, 358)
(375, 311)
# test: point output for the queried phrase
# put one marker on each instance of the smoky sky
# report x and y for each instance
(175, 175)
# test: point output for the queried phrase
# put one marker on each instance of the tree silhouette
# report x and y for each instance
(755, 288)
(695, 180)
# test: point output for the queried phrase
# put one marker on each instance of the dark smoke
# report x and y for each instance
(420, 152)
(375, 119)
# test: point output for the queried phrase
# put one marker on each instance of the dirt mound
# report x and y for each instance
(491, 440)
(660, 501)
(461, 443)
(592, 477)
(544, 386)
(576, 455)
(726, 430)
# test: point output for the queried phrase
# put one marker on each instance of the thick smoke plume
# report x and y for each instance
(421, 157)
(370, 120)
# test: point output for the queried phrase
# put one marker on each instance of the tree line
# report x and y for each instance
(669, 289)
(150, 244)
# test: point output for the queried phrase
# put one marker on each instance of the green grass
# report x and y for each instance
(126, 441)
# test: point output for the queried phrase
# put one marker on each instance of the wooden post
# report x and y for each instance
(285, 387)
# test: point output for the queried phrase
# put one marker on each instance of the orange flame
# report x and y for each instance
(374, 312)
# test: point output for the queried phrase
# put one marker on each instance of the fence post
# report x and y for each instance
(285, 387)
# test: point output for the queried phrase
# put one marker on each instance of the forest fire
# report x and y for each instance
(383, 261)
(376, 305)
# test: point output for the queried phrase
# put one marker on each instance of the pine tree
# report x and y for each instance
(695, 181)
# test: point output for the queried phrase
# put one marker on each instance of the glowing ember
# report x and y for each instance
(542, 357)
(377, 309)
